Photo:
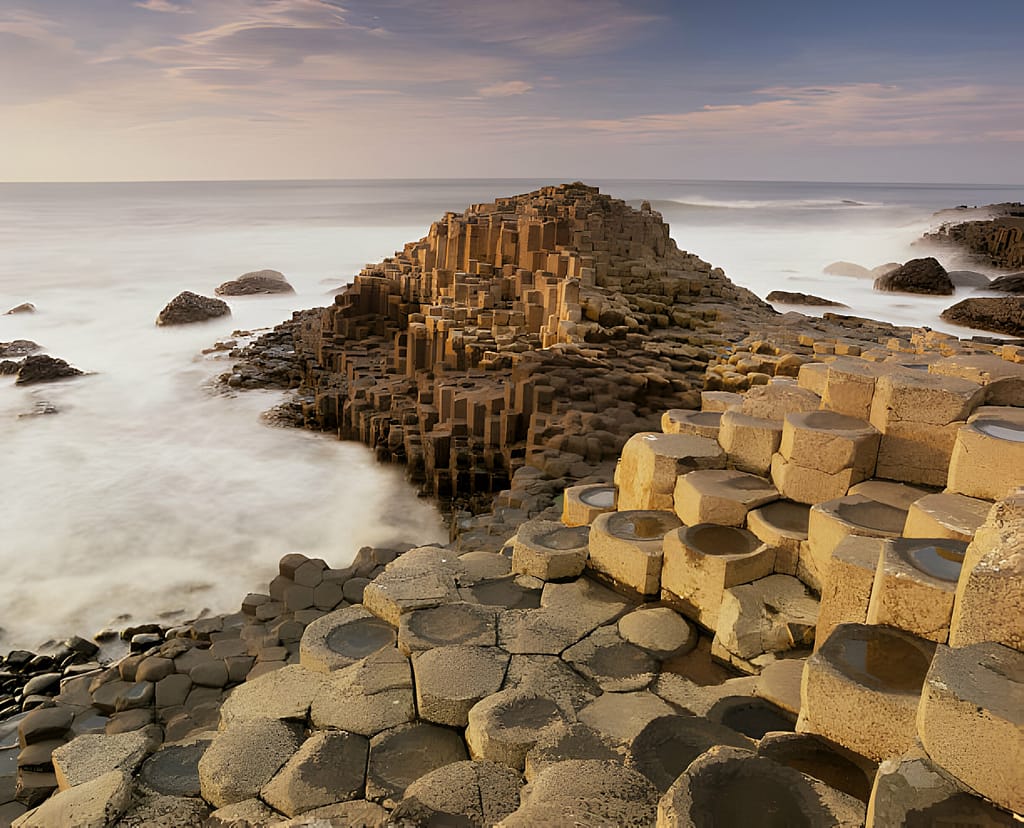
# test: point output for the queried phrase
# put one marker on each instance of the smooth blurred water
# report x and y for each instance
(147, 494)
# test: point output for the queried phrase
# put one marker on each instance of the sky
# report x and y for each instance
(873, 90)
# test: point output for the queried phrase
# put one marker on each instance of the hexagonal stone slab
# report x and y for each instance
(551, 677)
(614, 664)
(423, 577)
(503, 727)
(549, 550)
(660, 631)
(330, 767)
(480, 793)
(400, 756)
(722, 496)
(370, 696)
(581, 504)
(450, 680)
(91, 755)
(620, 717)
(569, 741)
(174, 769)
(456, 623)
(243, 758)
(823, 760)
(341, 638)
(95, 803)
(285, 693)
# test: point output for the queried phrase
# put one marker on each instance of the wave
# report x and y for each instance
(699, 202)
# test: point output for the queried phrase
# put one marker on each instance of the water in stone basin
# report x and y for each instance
(637, 527)
(883, 661)
(787, 516)
(603, 498)
(941, 559)
(1002, 430)
(719, 540)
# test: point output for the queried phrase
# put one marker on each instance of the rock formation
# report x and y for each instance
(17, 348)
(42, 368)
(1010, 283)
(997, 241)
(789, 298)
(1002, 315)
(917, 276)
(24, 307)
(258, 281)
(188, 307)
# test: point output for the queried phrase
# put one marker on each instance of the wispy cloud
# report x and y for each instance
(505, 89)
(165, 7)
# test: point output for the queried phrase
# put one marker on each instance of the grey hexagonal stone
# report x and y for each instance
(616, 665)
(456, 623)
(450, 680)
(472, 793)
(400, 756)
(503, 727)
(369, 696)
(344, 637)
(330, 767)
(244, 757)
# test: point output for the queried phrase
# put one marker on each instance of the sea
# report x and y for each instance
(150, 496)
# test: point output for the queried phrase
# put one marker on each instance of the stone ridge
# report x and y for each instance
(997, 241)
(463, 353)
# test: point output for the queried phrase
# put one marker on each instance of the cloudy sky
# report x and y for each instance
(873, 90)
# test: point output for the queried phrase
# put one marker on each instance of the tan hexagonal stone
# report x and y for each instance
(626, 546)
(945, 515)
(650, 463)
(846, 591)
(749, 442)
(549, 550)
(582, 504)
(722, 496)
(988, 454)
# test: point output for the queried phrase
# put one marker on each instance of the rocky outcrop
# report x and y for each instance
(42, 368)
(969, 278)
(917, 276)
(789, 298)
(188, 307)
(1002, 315)
(997, 241)
(17, 348)
(257, 281)
(1011, 283)
(24, 307)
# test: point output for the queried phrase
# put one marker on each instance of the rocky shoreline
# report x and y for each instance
(672, 527)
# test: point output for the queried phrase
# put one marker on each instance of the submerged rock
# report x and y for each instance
(790, 298)
(1011, 283)
(257, 281)
(1005, 315)
(42, 368)
(24, 307)
(969, 278)
(918, 276)
(847, 269)
(18, 348)
(188, 307)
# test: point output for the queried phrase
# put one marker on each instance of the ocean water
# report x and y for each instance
(149, 495)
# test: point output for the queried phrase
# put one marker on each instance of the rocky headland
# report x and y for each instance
(994, 238)
(711, 565)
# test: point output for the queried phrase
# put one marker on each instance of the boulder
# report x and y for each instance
(917, 276)
(786, 297)
(1010, 283)
(256, 281)
(188, 307)
(42, 368)
(847, 269)
(8, 367)
(17, 348)
(969, 278)
(1002, 315)
(24, 307)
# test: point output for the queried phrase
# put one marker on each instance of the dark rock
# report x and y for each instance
(17, 348)
(45, 723)
(188, 307)
(257, 281)
(918, 276)
(8, 367)
(1011, 283)
(969, 278)
(1003, 315)
(42, 368)
(24, 307)
(788, 298)
(47, 682)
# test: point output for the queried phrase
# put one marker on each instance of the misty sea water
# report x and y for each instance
(147, 494)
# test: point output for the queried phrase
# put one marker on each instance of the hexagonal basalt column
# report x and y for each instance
(822, 454)
(450, 680)
(504, 726)
(988, 455)
(749, 441)
(549, 550)
(945, 515)
(782, 525)
(582, 504)
(627, 547)
(651, 462)
(704, 560)
(861, 689)
(699, 423)
(722, 496)
(341, 638)
(971, 719)
(850, 385)
(914, 585)
(832, 521)
(846, 592)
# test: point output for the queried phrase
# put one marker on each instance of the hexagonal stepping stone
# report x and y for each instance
(978, 690)
(946, 515)
(548, 550)
(913, 790)
(732, 786)
(155, 810)
(503, 727)
(458, 623)
(722, 496)
(247, 812)
(479, 567)
(587, 792)
(244, 757)
(469, 792)
(450, 680)
(620, 717)
(660, 631)
(702, 561)
(668, 744)
(846, 592)
(862, 686)
(849, 386)
(779, 683)
(626, 547)
(771, 615)
(517, 592)
(91, 755)
(988, 453)
(341, 638)
(650, 463)
(550, 676)
(778, 398)
(582, 504)
(370, 696)
(285, 693)
(97, 802)
(420, 578)
(330, 767)
(781, 525)
(174, 769)
(683, 421)
(820, 759)
(400, 756)
(898, 495)
(614, 664)
(753, 717)
(915, 584)
(833, 520)
(569, 741)
(749, 442)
